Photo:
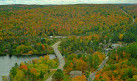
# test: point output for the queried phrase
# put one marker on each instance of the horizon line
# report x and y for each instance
(75, 4)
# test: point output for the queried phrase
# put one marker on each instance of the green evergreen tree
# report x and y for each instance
(58, 75)
(96, 61)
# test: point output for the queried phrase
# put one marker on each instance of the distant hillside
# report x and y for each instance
(26, 24)
(61, 20)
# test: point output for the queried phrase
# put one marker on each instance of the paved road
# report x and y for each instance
(59, 55)
(60, 58)
(49, 78)
(92, 75)
(129, 15)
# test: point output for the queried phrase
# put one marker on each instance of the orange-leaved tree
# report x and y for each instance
(79, 78)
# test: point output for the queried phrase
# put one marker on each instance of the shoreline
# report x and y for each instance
(24, 55)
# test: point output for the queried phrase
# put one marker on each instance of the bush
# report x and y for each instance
(1, 52)
(71, 56)
(4, 78)
(129, 37)
(21, 49)
(132, 49)
(112, 67)
(58, 75)
(131, 79)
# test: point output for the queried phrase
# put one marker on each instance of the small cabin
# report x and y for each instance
(107, 50)
(115, 46)
(51, 37)
(75, 73)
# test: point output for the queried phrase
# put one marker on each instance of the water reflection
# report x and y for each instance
(7, 62)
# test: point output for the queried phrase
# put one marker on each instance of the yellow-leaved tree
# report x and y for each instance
(121, 36)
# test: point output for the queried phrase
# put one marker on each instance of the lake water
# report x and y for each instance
(7, 62)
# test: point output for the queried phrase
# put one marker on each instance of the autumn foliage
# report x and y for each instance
(79, 78)
(27, 24)
(35, 69)
(121, 66)
(23, 67)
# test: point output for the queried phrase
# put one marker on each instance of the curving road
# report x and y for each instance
(92, 75)
(129, 15)
(59, 55)
(60, 58)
